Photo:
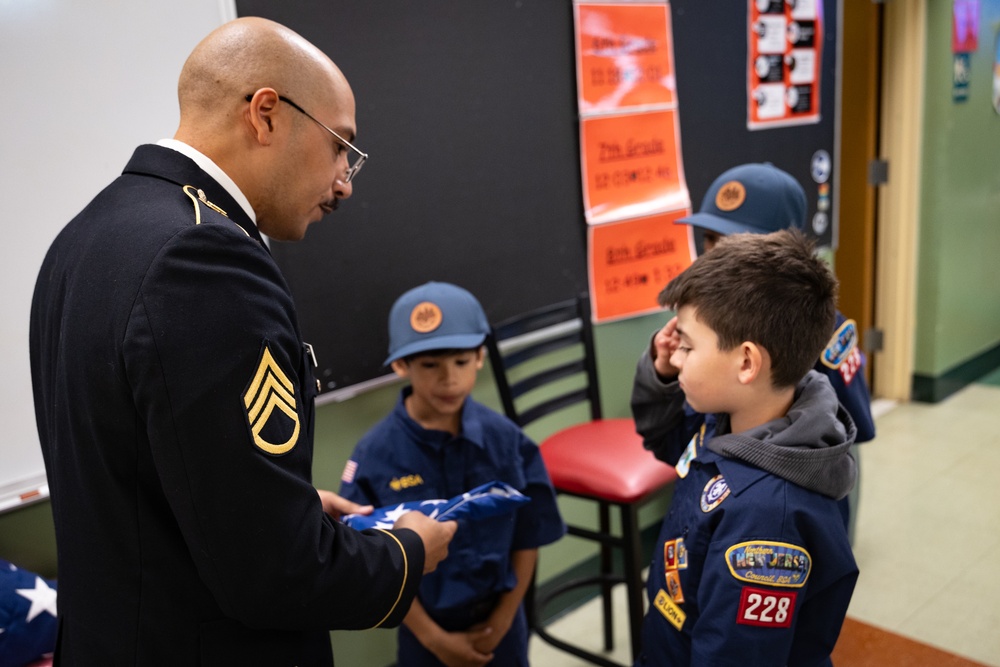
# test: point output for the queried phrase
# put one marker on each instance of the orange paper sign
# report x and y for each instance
(624, 56)
(631, 166)
(632, 261)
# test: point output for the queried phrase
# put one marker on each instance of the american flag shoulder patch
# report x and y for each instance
(350, 469)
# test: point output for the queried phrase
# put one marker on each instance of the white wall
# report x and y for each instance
(83, 82)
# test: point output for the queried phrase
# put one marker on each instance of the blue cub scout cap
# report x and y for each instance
(756, 198)
(435, 316)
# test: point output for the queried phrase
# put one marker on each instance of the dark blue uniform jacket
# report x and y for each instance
(753, 565)
(174, 402)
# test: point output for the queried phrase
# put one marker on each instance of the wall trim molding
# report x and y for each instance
(931, 389)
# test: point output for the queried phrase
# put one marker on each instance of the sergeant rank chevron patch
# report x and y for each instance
(270, 407)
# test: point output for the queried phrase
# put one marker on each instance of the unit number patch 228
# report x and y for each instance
(767, 608)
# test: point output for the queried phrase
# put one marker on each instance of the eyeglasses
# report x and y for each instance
(359, 159)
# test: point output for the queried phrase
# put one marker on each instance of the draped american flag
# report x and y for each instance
(27, 615)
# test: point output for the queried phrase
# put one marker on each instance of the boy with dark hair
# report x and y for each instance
(438, 443)
(753, 564)
(759, 198)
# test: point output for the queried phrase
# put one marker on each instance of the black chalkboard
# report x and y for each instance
(468, 110)
(710, 50)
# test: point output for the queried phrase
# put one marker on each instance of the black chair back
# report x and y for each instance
(531, 336)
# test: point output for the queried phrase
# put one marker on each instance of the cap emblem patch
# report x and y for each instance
(730, 196)
(270, 407)
(425, 317)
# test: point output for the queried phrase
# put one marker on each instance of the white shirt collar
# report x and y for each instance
(212, 170)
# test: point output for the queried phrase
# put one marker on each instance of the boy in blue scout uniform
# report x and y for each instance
(437, 443)
(753, 565)
(759, 199)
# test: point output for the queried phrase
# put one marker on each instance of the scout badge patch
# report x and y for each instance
(842, 352)
(771, 563)
(690, 454)
(715, 492)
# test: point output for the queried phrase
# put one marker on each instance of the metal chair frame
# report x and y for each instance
(530, 336)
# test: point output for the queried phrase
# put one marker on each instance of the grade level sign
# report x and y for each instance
(631, 166)
(632, 261)
(624, 56)
(784, 55)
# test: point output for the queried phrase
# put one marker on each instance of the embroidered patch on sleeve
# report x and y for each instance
(691, 453)
(350, 469)
(766, 608)
(851, 366)
(844, 340)
(674, 586)
(670, 554)
(684, 462)
(771, 563)
(669, 609)
(271, 412)
(674, 554)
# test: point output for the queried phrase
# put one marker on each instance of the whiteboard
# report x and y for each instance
(85, 83)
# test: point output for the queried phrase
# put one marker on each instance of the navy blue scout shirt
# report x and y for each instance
(399, 461)
(734, 580)
(751, 567)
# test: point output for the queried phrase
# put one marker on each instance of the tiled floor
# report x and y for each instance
(928, 528)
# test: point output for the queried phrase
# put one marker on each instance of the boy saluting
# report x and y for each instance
(753, 564)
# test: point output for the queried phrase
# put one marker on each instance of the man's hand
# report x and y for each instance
(665, 343)
(435, 535)
(337, 506)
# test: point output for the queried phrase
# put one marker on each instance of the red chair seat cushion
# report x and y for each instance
(604, 459)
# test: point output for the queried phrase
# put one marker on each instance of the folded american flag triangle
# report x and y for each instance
(492, 499)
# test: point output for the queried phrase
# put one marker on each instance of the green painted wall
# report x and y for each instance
(27, 536)
(958, 307)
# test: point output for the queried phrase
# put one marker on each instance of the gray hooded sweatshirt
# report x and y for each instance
(810, 446)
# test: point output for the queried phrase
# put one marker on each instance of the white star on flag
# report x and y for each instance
(42, 598)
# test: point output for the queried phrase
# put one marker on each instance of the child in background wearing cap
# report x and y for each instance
(757, 199)
(753, 565)
(438, 443)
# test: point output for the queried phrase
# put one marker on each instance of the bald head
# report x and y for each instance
(244, 55)
(243, 93)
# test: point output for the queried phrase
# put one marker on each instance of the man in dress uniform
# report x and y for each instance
(174, 394)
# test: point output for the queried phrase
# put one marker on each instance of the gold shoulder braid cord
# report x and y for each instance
(198, 195)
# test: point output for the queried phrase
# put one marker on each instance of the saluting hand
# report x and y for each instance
(665, 343)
